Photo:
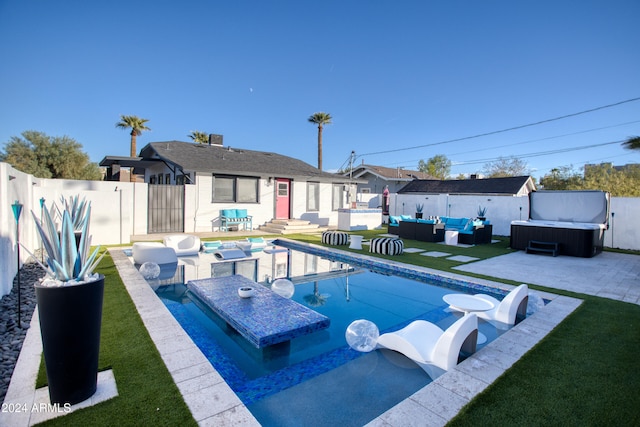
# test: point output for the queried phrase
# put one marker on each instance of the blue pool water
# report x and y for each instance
(317, 379)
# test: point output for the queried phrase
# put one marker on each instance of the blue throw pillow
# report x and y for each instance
(393, 220)
(241, 213)
(405, 217)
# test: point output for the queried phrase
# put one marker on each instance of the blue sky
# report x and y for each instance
(400, 78)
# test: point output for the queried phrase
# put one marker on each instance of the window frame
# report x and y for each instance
(340, 188)
(313, 186)
(234, 179)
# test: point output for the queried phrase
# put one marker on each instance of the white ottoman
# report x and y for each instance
(386, 246)
(335, 238)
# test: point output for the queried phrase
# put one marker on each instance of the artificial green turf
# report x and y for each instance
(583, 373)
(147, 394)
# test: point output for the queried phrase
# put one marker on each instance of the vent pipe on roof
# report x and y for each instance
(215, 139)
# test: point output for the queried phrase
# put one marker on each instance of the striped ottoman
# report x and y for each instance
(335, 238)
(386, 246)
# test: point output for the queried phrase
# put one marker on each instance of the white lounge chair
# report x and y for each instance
(183, 244)
(506, 311)
(153, 252)
(433, 349)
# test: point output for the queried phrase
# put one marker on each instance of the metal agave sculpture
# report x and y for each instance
(77, 209)
(67, 260)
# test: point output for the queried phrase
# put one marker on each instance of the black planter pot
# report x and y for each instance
(70, 320)
(418, 215)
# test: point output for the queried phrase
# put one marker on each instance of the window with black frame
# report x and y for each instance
(235, 189)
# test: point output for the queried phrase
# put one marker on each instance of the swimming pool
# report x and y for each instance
(318, 380)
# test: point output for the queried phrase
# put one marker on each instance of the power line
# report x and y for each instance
(502, 130)
(546, 138)
(542, 153)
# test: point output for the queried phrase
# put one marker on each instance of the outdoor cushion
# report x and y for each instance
(405, 217)
(241, 213)
(393, 220)
(469, 225)
(410, 220)
(229, 213)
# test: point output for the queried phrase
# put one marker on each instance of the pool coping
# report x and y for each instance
(212, 402)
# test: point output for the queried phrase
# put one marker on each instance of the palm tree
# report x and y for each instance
(137, 125)
(199, 137)
(633, 143)
(320, 119)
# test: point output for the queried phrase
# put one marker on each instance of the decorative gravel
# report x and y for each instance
(11, 334)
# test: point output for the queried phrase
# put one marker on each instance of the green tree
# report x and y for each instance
(506, 166)
(137, 125)
(199, 137)
(562, 178)
(49, 157)
(633, 143)
(620, 182)
(438, 166)
(320, 119)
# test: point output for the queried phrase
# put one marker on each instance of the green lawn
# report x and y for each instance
(582, 373)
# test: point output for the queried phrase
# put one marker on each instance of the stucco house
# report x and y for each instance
(272, 187)
(376, 178)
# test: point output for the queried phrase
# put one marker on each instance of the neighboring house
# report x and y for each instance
(378, 177)
(269, 185)
(505, 199)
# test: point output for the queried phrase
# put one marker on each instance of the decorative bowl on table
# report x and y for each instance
(246, 292)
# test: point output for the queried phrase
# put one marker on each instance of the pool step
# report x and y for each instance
(290, 226)
(537, 247)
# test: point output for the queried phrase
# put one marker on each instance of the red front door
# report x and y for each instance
(282, 198)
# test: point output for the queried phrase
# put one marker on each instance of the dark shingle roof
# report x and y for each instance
(391, 173)
(508, 185)
(234, 161)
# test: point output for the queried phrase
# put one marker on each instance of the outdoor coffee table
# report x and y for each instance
(468, 304)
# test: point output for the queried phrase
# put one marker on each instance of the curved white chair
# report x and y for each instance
(429, 346)
(183, 244)
(153, 252)
(506, 311)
